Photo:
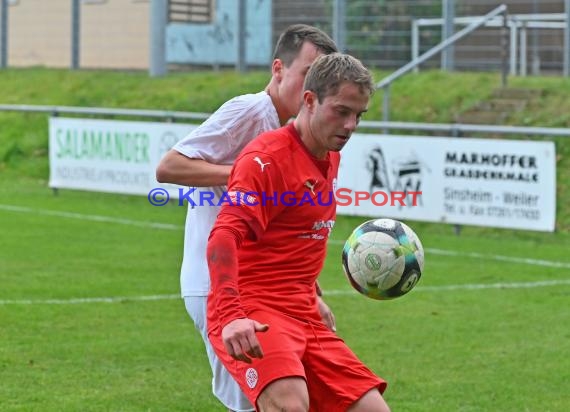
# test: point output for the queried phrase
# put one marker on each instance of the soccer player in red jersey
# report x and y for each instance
(267, 249)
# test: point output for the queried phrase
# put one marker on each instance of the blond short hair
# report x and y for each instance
(328, 72)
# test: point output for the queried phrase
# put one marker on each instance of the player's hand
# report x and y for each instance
(326, 314)
(240, 340)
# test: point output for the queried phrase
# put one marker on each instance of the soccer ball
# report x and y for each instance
(383, 259)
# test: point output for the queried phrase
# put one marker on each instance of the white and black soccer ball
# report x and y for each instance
(383, 259)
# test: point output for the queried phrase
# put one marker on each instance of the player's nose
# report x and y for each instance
(351, 122)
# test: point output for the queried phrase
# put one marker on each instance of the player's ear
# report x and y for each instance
(277, 69)
(310, 100)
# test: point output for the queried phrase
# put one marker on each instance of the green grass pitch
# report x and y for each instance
(484, 330)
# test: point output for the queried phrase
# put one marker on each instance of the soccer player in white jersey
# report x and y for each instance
(204, 159)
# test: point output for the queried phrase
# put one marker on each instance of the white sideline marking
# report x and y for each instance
(343, 292)
(484, 256)
(74, 301)
(538, 262)
(92, 218)
(168, 226)
(471, 286)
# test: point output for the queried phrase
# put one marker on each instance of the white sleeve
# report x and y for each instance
(210, 142)
(224, 134)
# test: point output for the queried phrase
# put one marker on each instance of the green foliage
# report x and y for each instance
(429, 96)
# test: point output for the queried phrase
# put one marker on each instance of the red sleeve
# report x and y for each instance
(254, 177)
(225, 240)
(257, 177)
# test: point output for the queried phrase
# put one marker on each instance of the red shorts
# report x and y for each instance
(335, 377)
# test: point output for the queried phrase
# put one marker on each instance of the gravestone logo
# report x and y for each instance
(403, 174)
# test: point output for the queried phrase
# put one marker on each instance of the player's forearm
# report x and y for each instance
(223, 267)
(178, 169)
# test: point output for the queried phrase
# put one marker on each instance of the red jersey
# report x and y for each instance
(285, 196)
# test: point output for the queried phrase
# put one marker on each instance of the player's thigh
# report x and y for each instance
(224, 387)
(196, 306)
(286, 394)
(336, 378)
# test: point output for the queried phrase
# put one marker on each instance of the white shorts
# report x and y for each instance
(224, 386)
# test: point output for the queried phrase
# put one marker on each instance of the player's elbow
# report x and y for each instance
(163, 172)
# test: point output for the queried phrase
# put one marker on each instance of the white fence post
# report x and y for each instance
(415, 43)
(513, 24)
(567, 39)
(241, 64)
(75, 33)
(338, 23)
(3, 34)
(158, 21)
(447, 62)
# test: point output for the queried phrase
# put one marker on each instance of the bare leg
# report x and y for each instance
(287, 394)
(371, 401)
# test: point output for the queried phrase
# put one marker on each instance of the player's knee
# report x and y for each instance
(291, 402)
(372, 401)
(286, 405)
(289, 394)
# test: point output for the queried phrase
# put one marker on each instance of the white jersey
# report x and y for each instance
(218, 140)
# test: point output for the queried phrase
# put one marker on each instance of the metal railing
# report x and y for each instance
(103, 111)
(387, 81)
(452, 129)
(460, 129)
(518, 25)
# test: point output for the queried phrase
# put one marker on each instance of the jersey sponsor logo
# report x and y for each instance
(311, 186)
(321, 224)
(251, 378)
(313, 236)
(258, 160)
(320, 230)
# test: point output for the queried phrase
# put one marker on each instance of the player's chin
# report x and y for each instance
(340, 141)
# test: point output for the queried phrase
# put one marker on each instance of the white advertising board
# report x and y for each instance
(110, 156)
(485, 182)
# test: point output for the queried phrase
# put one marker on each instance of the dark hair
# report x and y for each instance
(328, 72)
(292, 39)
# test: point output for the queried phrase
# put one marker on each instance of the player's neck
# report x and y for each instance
(307, 138)
(284, 117)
